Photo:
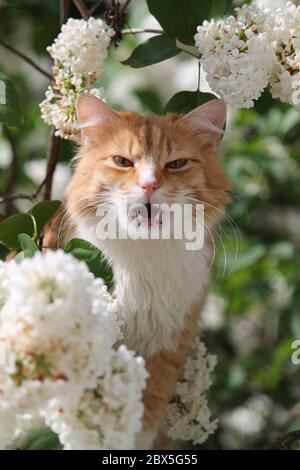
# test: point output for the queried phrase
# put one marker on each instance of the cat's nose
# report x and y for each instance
(149, 187)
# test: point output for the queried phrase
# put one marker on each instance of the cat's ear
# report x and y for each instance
(210, 116)
(92, 114)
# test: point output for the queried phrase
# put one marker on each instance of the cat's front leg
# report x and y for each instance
(164, 371)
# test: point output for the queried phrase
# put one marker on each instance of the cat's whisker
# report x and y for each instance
(213, 242)
(54, 219)
(233, 225)
(93, 198)
(232, 196)
(89, 210)
(84, 214)
(223, 214)
(66, 220)
(217, 234)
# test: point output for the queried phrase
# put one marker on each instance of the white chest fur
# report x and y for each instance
(156, 283)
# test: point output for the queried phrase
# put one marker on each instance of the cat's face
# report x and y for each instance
(135, 165)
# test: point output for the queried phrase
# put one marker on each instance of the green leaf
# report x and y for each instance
(28, 247)
(11, 227)
(43, 212)
(180, 18)
(150, 100)
(289, 121)
(283, 250)
(152, 51)
(41, 439)
(86, 251)
(186, 101)
(245, 259)
(10, 107)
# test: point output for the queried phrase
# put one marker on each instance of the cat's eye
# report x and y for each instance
(176, 164)
(122, 161)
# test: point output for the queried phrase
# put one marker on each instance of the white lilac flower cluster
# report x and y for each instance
(245, 53)
(59, 325)
(187, 416)
(79, 53)
(285, 80)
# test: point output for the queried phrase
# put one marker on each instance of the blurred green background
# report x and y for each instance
(253, 312)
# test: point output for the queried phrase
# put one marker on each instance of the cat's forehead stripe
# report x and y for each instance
(156, 137)
(148, 135)
(149, 140)
(155, 140)
(131, 143)
(135, 147)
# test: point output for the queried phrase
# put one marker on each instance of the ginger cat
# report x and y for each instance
(160, 285)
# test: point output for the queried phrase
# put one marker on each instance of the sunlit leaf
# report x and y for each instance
(152, 51)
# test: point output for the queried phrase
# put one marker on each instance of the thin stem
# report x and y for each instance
(94, 8)
(141, 30)
(83, 10)
(191, 50)
(26, 59)
(188, 52)
(51, 165)
(64, 7)
(126, 5)
(30, 197)
(12, 197)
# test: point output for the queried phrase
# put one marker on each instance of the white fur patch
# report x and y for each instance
(147, 176)
(156, 283)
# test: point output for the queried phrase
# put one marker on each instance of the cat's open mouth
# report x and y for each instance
(149, 210)
(153, 215)
(147, 215)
